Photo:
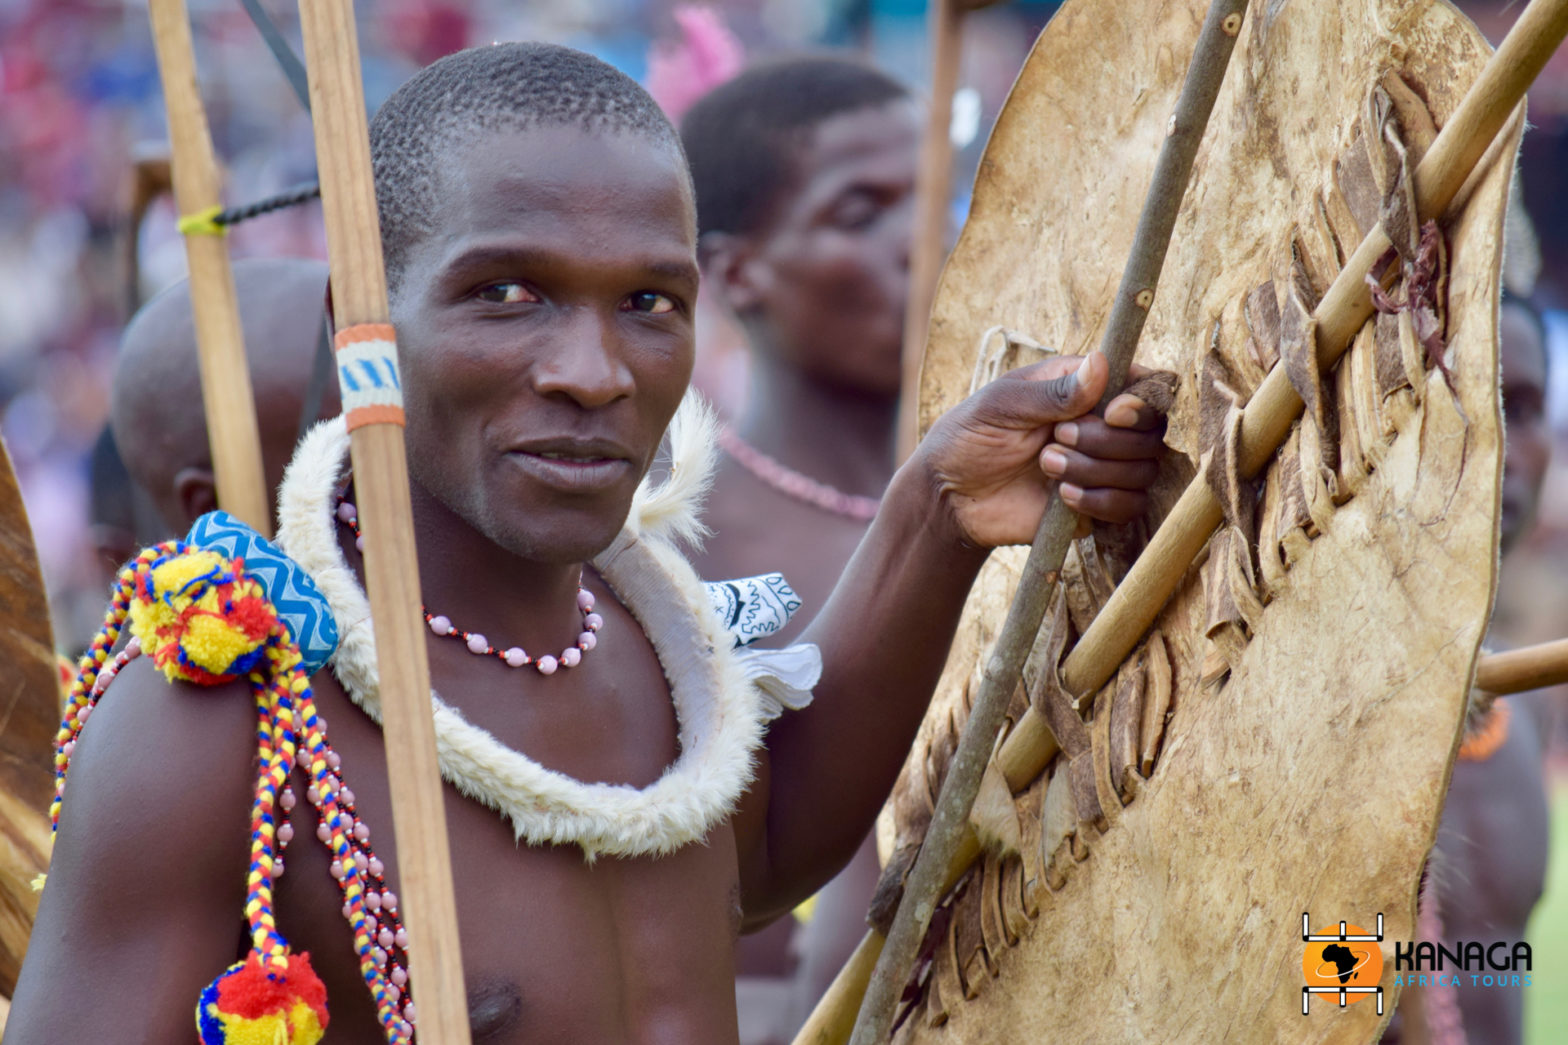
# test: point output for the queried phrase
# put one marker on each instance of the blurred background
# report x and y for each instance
(80, 102)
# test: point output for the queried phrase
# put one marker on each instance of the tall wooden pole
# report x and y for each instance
(933, 196)
(225, 380)
(360, 313)
(933, 190)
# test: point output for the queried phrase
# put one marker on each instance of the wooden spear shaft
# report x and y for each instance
(933, 189)
(232, 432)
(949, 827)
(359, 297)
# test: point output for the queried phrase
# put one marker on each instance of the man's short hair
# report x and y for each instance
(740, 138)
(507, 86)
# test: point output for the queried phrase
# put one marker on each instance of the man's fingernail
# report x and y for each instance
(1123, 414)
(1070, 493)
(1053, 462)
(1083, 368)
(1067, 433)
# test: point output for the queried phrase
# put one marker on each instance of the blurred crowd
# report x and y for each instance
(80, 105)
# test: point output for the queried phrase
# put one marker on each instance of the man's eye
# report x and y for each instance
(505, 293)
(649, 302)
(856, 213)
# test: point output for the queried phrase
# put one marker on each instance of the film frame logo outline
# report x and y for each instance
(1343, 936)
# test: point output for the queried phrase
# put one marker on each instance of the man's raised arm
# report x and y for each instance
(979, 480)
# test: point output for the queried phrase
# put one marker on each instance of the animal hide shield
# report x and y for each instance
(29, 716)
(1280, 743)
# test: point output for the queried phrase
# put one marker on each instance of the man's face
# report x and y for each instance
(546, 333)
(831, 265)
(1523, 361)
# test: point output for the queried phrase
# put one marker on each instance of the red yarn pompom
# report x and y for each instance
(254, 999)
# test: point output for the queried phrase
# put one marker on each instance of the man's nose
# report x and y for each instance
(586, 362)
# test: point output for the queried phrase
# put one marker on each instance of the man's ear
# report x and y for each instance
(196, 492)
(730, 264)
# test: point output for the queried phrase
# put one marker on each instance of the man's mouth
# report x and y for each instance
(575, 466)
(573, 458)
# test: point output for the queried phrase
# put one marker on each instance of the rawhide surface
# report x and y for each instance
(29, 716)
(1283, 743)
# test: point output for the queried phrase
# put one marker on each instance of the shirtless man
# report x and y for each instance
(539, 232)
(805, 173)
(155, 407)
(1490, 865)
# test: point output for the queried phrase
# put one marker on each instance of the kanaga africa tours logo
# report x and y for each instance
(1343, 960)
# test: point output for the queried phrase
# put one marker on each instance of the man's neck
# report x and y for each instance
(482, 587)
(834, 435)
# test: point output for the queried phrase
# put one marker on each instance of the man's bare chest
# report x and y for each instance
(555, 947)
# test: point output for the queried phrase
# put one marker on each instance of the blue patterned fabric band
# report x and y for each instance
(750, 608)
(299, 602)
(753, 608)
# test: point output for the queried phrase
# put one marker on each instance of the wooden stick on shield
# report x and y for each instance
(949, 823)
(1464, 146)
(1524, 669)
(225, 379)
(360, 313)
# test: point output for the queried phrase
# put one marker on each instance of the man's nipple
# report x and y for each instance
(495, 1006)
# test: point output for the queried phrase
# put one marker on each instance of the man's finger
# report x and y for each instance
(1112, 506)
(1030, 397)
(1094, 438)
(1058, 462)
(1128, 411)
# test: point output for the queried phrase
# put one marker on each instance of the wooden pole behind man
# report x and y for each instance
(225, 379)
(933, 190)
(359, 305)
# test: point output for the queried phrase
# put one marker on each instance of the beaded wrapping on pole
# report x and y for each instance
(514, 656)
(202, 619)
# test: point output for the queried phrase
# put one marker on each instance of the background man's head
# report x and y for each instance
(805, 172)
(156, 410)
(540, 238)
(1522, 356)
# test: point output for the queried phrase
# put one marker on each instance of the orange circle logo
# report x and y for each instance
(1351, 963)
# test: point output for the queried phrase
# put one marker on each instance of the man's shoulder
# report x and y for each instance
(173, 745)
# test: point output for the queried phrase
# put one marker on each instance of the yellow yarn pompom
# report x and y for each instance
(201, 618)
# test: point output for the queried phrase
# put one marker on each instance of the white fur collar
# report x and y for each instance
(718, 711)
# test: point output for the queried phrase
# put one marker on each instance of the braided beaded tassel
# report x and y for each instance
(203, 620)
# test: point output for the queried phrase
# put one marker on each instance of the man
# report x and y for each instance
(539, 233)
(805, 173)
(805, 179)
(1489, 869)
(156, 407)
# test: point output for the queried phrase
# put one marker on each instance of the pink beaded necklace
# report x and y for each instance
(514, 656)
(792, 484)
